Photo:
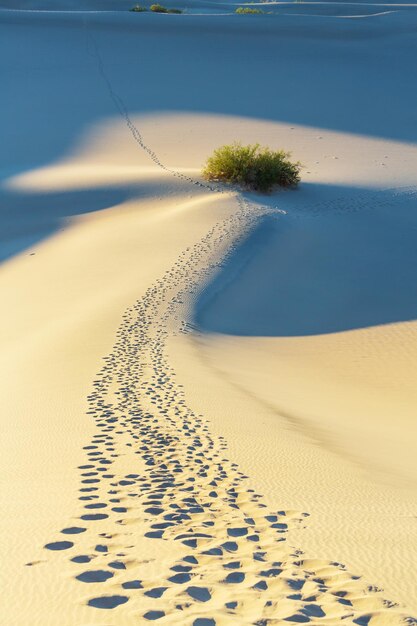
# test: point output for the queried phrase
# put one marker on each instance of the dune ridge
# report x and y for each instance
(139, 499)
(197, 495)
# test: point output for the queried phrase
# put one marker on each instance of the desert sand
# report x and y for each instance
(207, 396)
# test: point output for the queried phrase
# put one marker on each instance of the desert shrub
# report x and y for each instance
(138, 9)
(253, 167)
(248, 11)
(157, 8)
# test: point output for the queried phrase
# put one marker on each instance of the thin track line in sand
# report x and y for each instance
(137, 135)
(153, 470)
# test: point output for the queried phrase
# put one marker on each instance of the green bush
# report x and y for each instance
(138, 9)
(157, 8)
(248, 11)
(252, 167)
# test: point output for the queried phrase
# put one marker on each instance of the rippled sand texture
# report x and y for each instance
(233, 563)
(177, 445)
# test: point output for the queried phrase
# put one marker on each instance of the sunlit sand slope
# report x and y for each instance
(154, 472)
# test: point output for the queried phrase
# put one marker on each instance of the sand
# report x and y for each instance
(207, 396)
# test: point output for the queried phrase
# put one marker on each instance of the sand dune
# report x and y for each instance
(207, 405)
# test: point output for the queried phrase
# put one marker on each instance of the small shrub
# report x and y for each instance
(253, 167)
(157, 8)
(248, 11)
(138, 9)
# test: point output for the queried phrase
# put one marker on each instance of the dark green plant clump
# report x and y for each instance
(253, 167)
(157, 8)
(248, 11)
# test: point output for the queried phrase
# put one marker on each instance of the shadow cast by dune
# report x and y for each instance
(52, 101)
(330, 74)
(26, 219)
(327, 272)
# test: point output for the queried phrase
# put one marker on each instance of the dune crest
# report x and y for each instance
(198, 477)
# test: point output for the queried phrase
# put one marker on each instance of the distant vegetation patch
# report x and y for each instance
(155, 8)
(248, 11)
(254, 167)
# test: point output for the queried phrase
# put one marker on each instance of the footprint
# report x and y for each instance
(94, 576)
(237, 532)
(157, 592)
(73, 530)
(132, 584)
(297, 618)
(202, 594)
(235, 577)
(59, 545)
(107, 602)
(154, 615)
(82, 558)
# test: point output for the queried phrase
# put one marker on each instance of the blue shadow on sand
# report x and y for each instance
(64, 67)
(28, 218)
(323, 272)
(49, 98)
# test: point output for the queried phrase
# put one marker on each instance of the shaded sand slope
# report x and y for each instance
(319, 274)
(123, 501)
(344, 57)
(319, 282)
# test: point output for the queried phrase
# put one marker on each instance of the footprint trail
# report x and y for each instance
(235, 564)
(153, 472)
